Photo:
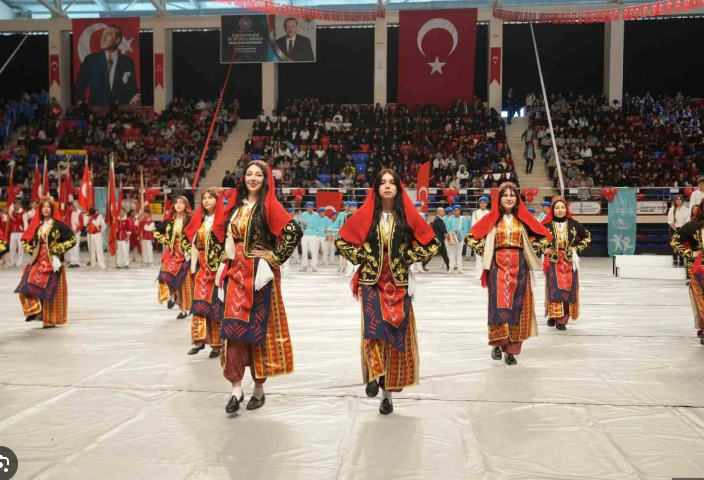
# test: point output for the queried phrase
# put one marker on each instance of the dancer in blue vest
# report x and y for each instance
(546, 209)
(324, 223)
(310, 241)
(457, 228)
(335, 229)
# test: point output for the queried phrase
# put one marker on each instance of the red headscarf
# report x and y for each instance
(276, 215)
(356, 229)
(484, 226)
(197, 218)
(37, 219)
(551, 214)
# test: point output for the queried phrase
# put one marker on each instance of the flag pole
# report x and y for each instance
(141, 213)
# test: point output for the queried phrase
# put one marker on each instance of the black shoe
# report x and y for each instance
(372, 389)
(255, 403)
(170, 304)
(561, 327)
(49, 326)
(181, 315)
(195, 350)
(496, 353)
(214, 353)
(386, 406)
(701, 340)
(234, 404)
(551, 322)
(31, 317)
(510, 359)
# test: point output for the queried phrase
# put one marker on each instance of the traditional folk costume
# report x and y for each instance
(562, 265)
(145, 227)
(3, 244)
(384, 287)
(418, 267)
(43, 289)
(335, 229)
(457, 228)
(508, 257)
(687, 243)
(255, 326)
(207, 248)
(95, 226)
(18, 225)
(175, 278)
(477, 215)
(76, 220)
(125, 230)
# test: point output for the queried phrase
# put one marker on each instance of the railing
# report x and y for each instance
(583, 201)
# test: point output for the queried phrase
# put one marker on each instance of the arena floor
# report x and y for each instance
(619, 395)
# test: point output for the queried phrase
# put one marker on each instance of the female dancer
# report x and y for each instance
(687, 243)
(385, 237)
(207, 246)
(678, 215)
(259, 237)
(561, 264)
(43, 288)
(508, 256)
(3, 243)
(175, 279)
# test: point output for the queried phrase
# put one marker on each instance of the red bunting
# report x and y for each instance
(266, 6)
(634, 12)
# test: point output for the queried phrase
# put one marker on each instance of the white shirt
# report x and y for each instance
(696, 198)
(678, 217)
(478, 214)
(112, 55)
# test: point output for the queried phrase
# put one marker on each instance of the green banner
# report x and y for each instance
(622, 223)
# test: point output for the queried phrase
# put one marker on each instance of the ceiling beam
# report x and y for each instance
(160, 6)
(103, 4)
(55, 12)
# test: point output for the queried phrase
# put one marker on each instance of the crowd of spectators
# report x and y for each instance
(645, 142)
(320, 145)
(167, 146)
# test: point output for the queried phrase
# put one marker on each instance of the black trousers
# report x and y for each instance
(443, 252)
(529, 165)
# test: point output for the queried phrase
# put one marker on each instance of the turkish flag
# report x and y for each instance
(495, 69)
(36, 183)
(158, 70)
(329, 201)
(423, 183)
(436, 56)
(54, 72)
(111, 211)
(85, 198)
(93, 37)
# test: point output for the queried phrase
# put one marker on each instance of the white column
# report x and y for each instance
(496, 40)
(613, 60)
(60, 44)
(380, 61)
(163, 46)
(270, 86)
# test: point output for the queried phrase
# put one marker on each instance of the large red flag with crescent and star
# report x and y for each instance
(106, 60)
(436, 56)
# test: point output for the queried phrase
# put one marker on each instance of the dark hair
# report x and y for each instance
(92, 211)
(699, 217)
(118, 29)
(508, 186)
(259, 212)
(213, 192)
(291, 18)
(399, 211)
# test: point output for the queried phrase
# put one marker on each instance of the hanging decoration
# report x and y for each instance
(266, 6)
(633, 12)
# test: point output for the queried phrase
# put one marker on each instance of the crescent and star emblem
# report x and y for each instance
(432, 24)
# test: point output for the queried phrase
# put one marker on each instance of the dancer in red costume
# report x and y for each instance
(561, 263)
(509, 255)
(43, 289)
(175, 279)
(259, 237)
(207, 248)
(385, 237)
